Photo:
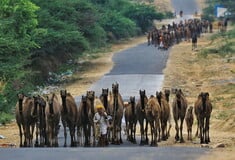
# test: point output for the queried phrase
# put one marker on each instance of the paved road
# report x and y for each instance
(136, 68)
(110, 153)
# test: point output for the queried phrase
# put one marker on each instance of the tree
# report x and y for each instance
(17, 21)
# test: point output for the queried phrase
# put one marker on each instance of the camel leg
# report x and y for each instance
(37, 132)
(20, 131)
(152, 134)
(201, 131)
(196, 134)
(93, 132)
(65, 134)
(120, 134)
(78, 135)
(142, 133)
(177, 130)
(127, 131)
(134, 132)
(168, 132)
(146, 133)
(181, 131)
(72, 135)
(207, 139)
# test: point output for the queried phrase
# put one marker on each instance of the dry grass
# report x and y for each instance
(195, 73)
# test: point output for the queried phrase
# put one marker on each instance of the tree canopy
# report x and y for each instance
(38, 36)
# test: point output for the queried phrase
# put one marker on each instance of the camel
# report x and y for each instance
(165, 113)
(189, 118)
(91, 102)
(115, 110)
(131, 119)
(83, 123)
(141, 116)
(167, 93)
(24, 111)
(153, 115)
(53, 115)
(68, 116)
(203, 109)
(179, 106)
(41, 122)
(104, 97)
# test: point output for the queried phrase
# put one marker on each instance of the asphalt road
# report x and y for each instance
(136, 68)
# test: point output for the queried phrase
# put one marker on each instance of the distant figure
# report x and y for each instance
(194, 41)
(211, 27)
(225, 24)
(181, 13)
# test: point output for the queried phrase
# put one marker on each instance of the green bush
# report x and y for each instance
(5, 118)
(142, 15)
(118, 25)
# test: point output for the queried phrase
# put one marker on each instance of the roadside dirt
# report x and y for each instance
(185, 69)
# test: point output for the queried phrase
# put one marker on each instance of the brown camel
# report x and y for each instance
(203, 109)
(91, 102)
(68, 116)
(83, 123)
(153, 115)
(165, 113)
(104, 97)
(52, 112)
(24, 111)
(189, 118)
(141, 116)
(41, 121)
(131, 119)
(179, 106)
(115, 109)
(167, 93)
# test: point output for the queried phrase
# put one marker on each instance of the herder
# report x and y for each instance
(101, 121)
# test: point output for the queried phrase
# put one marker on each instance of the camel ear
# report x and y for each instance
(207, 94)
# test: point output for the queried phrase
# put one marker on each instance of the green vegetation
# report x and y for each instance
(38, 37)
(208, 12)
(223, 44)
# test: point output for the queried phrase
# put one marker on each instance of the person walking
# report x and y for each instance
(101, 121)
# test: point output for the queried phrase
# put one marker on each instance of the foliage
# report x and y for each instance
(143, 15)
(17, 22)
(5, 118)
(38, 36)
(209, 11)
(224, 44)
(118, 25)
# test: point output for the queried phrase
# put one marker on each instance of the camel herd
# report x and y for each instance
(187, 30)
(43, 115)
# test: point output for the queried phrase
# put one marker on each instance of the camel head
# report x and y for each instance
(20, 96)
(63, 93)
(105, 92)
(115, 88)
(90, 95)
(132, 100)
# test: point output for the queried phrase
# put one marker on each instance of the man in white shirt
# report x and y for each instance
(101, 121)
